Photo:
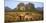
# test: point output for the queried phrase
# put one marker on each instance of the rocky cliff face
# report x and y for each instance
(23, 7)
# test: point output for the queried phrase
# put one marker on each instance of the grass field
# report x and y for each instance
(14, 16)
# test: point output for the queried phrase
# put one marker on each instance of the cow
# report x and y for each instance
(28, 17)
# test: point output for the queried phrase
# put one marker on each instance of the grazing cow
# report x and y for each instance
(22, 16)
(17, 17)
(28, 17)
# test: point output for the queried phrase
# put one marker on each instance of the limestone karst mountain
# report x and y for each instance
(20, 7)
(25, 8)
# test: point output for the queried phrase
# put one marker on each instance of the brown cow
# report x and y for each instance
(28, 17)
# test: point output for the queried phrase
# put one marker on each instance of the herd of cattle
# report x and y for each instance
(25, 16)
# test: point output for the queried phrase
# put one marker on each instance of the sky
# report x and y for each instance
(13, 3)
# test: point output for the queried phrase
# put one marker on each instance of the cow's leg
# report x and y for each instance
(24, 19)
(28, 19)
